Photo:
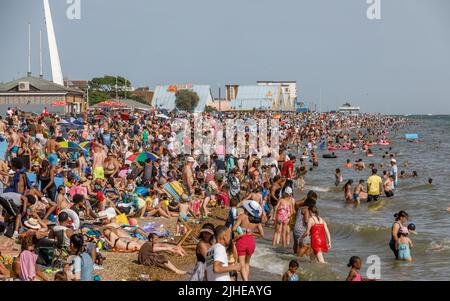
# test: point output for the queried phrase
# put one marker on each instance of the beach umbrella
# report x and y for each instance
(142, 157)
(70, 146)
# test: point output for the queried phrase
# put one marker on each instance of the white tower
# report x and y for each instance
(53, 47)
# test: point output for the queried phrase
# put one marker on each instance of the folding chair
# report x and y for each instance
(59, 181)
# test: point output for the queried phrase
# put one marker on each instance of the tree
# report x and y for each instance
(103, 88)
(186, 100)
(209, 109)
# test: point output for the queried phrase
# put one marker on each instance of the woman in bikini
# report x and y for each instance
(111, 165)
(121, 243)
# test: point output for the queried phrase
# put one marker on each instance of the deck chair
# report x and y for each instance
(188, 233)
(59, 181)
(33, 179)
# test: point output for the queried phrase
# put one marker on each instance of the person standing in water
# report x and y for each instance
(338, 177)
(348, 196)
(401, 218)
(302, 206)
(291, 274)
(355, 264)
(404, 245)
(282, 213)
(374, 186)
(247, 226)
(358, 192)
(320, 235)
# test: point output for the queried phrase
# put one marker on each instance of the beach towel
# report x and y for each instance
(28, 265)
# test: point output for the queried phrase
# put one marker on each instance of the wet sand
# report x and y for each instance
(124, 266)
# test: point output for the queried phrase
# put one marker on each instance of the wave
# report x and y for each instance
(319, 188)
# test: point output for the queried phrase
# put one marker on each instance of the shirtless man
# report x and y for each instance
(188, 176)
(99, 157)
(13, 142)
(51, 149)
(360, 165)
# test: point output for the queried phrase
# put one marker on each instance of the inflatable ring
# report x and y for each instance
(73, 216)
(329, 156)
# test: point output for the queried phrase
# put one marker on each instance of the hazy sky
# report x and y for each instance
(399, 64)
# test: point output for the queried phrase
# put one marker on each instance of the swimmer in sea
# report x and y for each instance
(291, 273)
(430, 181)
(355, 264)
(414, 174)
(348, 164)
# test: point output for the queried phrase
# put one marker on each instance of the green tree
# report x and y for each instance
(103, 88)
(186, 100)
(209, 109)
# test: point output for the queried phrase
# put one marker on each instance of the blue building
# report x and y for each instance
(164, 97)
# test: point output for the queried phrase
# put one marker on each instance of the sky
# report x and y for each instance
(399, 64)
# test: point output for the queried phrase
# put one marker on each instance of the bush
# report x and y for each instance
(186, 100)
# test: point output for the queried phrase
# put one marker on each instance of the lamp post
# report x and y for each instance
(220, 111)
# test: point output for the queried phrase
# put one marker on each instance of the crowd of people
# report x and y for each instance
(81, 185)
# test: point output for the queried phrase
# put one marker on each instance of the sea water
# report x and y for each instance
(365, 230)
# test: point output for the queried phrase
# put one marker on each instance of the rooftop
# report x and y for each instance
(39, 84)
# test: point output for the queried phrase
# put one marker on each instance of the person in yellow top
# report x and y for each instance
(374, 186)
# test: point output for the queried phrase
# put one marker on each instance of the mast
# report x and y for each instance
(40, 54)
(29, 49)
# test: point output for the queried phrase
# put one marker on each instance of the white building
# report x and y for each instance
(348, 108)
(288, 87)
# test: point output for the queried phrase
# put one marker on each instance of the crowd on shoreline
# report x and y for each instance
(80, 186)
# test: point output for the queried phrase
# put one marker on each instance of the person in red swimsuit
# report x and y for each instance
(247, 226)
(320, 235)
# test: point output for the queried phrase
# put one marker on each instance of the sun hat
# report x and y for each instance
(190, 159)
(206, 230)
(253, 208)
(393, 160)
(32, 223)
